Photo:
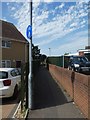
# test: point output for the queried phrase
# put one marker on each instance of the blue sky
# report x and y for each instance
(61, 26)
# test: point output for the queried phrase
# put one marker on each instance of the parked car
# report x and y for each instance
(79, 64)
(10, 79)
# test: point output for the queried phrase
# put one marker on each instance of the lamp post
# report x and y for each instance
(49, 51)
(30, 62)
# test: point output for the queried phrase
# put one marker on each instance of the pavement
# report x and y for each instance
(50, 100)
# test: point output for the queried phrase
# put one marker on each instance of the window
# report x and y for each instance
(3, 64)
(13, 73)
(6, 63)
(3, 43)
(3, 75)
(17, 71)
(6, 44)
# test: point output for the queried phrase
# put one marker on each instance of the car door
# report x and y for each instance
(18, 77)
(15, 78)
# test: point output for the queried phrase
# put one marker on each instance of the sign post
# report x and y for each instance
(29, 36)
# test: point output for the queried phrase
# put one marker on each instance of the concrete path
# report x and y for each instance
(50, 101)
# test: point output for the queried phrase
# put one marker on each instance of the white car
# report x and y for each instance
(10, 79)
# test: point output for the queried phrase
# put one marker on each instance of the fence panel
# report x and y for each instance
(61, 61)
(24, 85)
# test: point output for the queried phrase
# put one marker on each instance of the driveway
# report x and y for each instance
(8, 107)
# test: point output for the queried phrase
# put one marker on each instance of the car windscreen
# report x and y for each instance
(84, 59)
(3, 75)
(80, 59)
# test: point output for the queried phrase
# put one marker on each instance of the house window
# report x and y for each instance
(6, 44)
(3, 43)
(18, 64)
(6, 63)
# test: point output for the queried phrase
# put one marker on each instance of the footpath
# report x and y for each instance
(50, 100)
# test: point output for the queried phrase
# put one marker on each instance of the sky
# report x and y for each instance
(58, 27)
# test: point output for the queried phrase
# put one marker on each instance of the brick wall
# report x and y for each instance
(63, 76)
(81, 92)
(89, 98)
(77, 86)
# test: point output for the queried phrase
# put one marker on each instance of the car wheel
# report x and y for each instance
(69, 68)
(73, 69)
(15, 94)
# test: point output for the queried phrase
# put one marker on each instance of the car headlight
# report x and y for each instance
(76, 65)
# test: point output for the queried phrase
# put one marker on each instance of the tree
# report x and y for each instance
(66, 54)
(35, 52)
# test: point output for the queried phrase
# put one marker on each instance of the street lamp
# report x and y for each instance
(49, 51)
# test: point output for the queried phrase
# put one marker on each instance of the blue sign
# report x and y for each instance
(29, 31)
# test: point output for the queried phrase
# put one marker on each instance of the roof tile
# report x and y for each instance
(10, 31)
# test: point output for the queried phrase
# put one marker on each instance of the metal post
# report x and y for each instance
(63, 61)
(49, 51)
(30, 65)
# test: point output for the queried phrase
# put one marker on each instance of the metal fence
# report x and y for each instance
(61, 61)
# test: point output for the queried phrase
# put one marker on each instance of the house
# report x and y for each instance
(13, 46)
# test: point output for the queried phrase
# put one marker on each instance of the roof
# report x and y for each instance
(6, 69)
(84, 50)
(10, 31)
(74, 54)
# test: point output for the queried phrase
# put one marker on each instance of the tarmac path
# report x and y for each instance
(50, 100)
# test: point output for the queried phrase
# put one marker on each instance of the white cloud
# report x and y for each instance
(48, 0)
(73, 24)
(60, 6)
(52, 27)
(73, 46)
(23, 17)
(78, 41)
(4, 18)
(60, 21)
(8, 3)
(13, 8)
(82, 15)
(58, 27)
(83, 22)
(36, 4)
(36, 1)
